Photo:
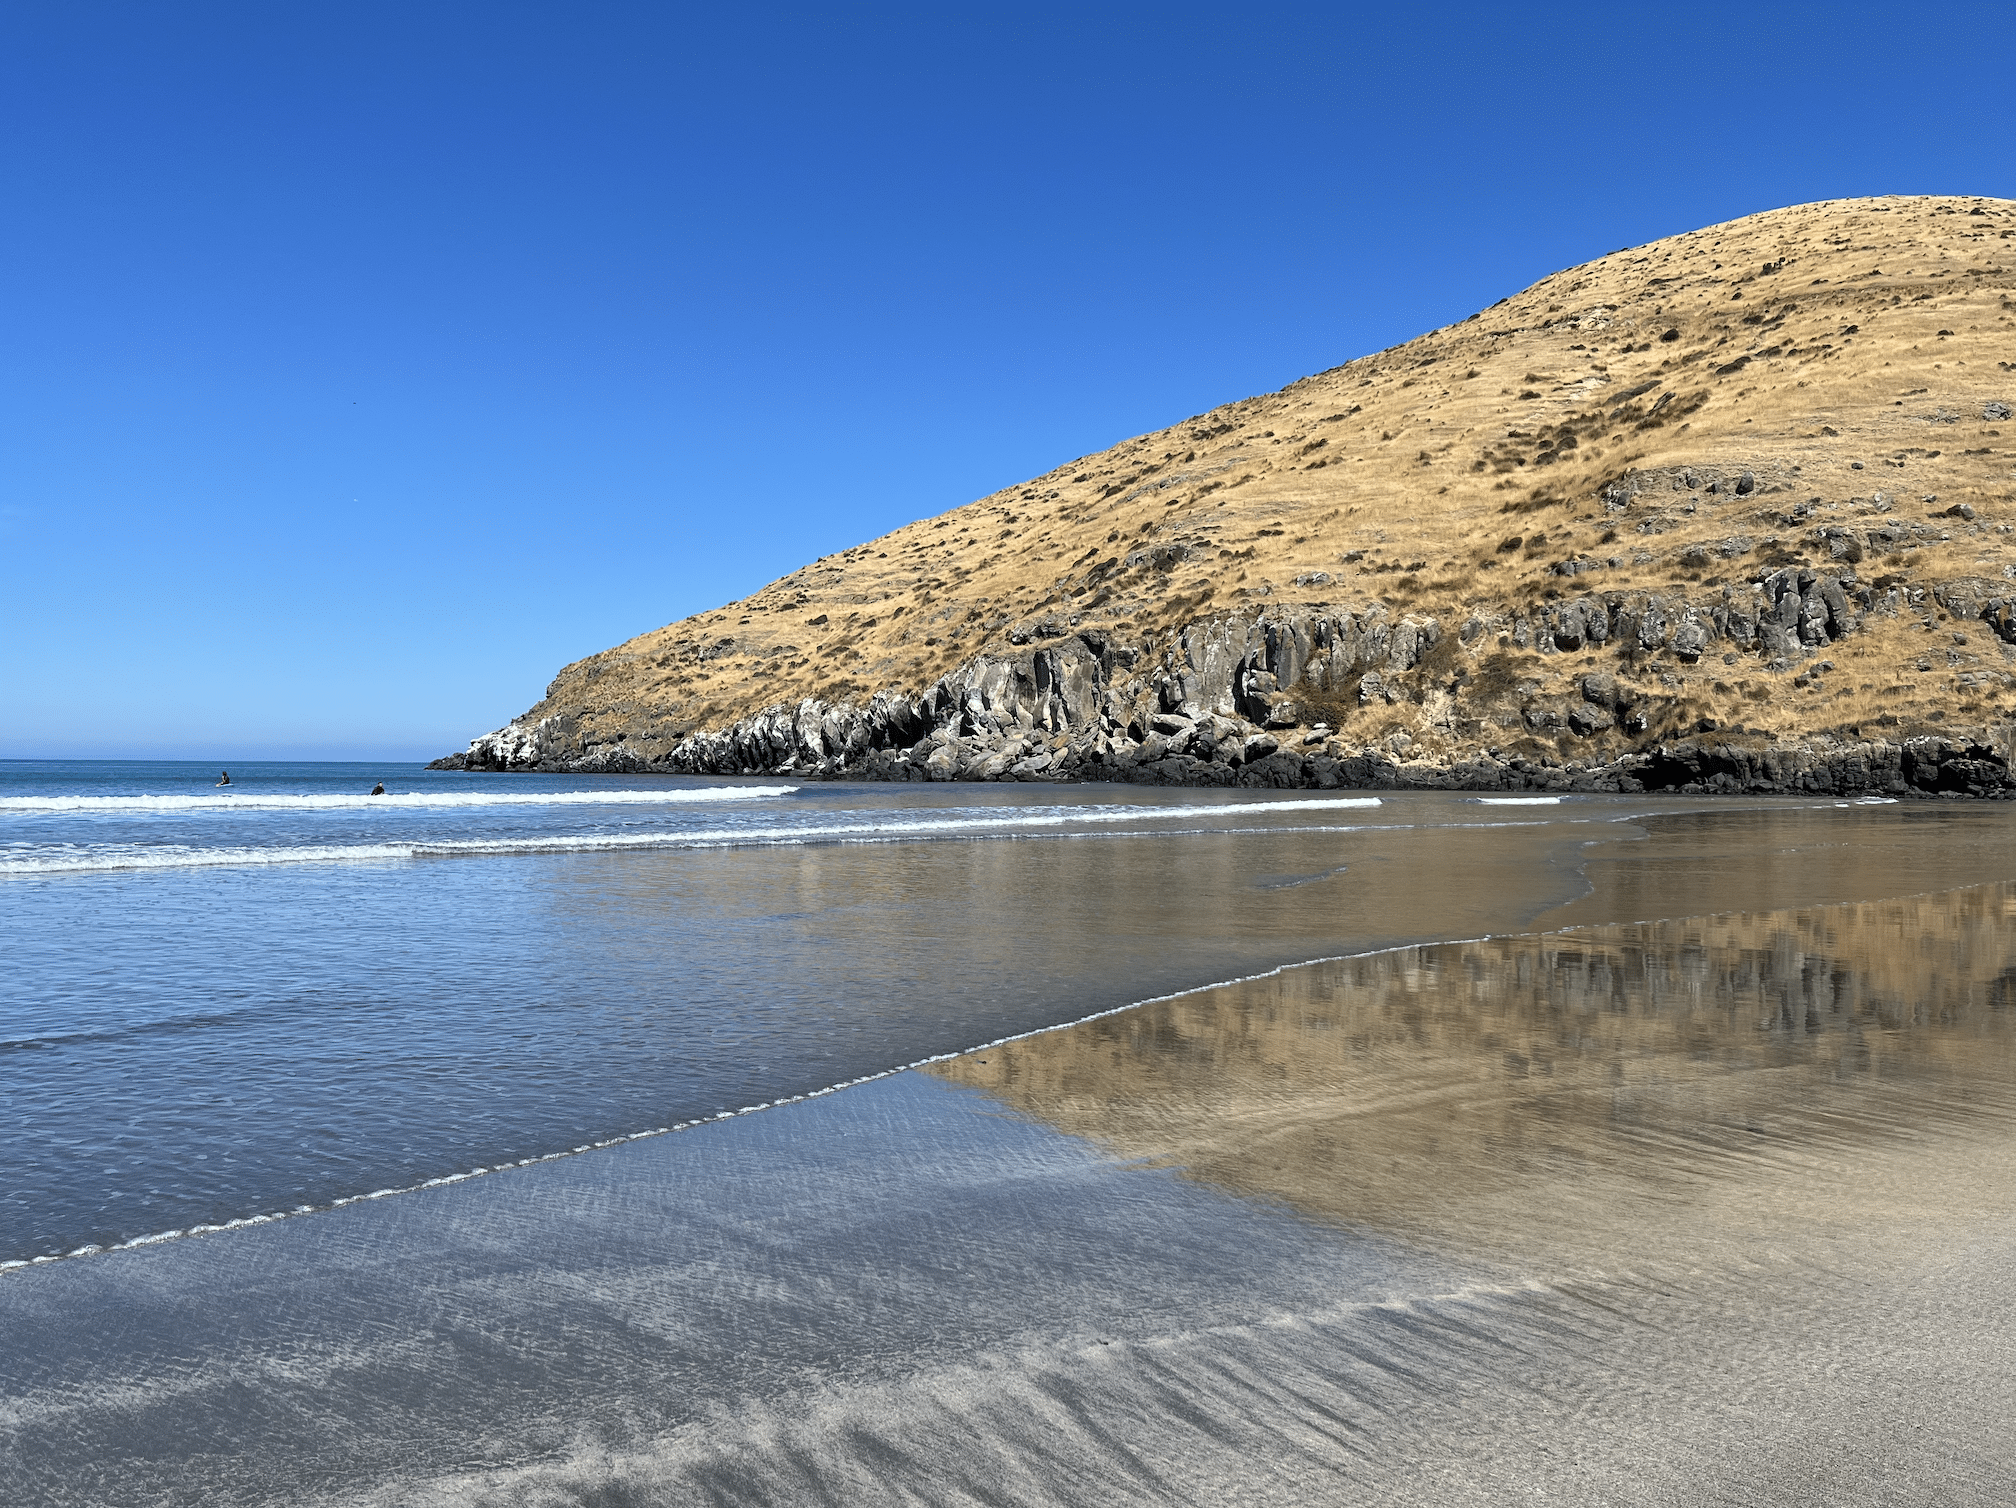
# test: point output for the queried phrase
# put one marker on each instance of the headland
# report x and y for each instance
(1730, 511)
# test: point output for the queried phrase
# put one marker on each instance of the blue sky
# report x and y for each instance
(362, 364)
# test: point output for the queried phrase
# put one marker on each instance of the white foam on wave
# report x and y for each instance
(273, 801)
(1517, 800)
(91, 861)
(1047, 820)
(1040, 820)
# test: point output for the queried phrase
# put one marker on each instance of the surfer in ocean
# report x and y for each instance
(224, 777)
(378, 789)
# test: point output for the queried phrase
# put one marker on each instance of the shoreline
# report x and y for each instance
(933, 1289)
(1283, 970)
(1929, 766)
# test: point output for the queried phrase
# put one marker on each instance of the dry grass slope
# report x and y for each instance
(1822, 385)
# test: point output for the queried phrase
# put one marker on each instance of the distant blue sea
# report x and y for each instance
(220, 1004)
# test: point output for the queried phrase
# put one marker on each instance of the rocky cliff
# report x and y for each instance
(1730, 511)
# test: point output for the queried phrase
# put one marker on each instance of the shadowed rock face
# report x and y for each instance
(1731, 511)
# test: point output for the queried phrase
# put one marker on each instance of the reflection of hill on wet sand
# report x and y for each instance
(1520, 1091)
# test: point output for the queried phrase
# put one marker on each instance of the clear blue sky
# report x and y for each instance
(362, 364)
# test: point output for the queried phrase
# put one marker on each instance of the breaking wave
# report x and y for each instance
(1005, 824)
(392, 801)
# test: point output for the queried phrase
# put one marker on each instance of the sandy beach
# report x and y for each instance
(1700, 1211)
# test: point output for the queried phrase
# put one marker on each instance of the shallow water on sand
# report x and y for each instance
(224, 1005)
(1652, 1205)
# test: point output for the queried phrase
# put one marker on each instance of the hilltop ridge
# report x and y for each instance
(1733, 510)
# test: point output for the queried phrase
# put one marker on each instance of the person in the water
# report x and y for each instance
(378, 789)
(224, 777)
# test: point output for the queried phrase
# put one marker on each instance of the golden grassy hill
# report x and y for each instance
(1822, 386)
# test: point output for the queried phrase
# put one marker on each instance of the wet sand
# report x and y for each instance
(1571, 1095)
(1714, 1210)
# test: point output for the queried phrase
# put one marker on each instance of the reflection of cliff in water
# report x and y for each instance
(1514, 1091)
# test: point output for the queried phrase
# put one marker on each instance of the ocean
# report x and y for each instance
(521, 1138)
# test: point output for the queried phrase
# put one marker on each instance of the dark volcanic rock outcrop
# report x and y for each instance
(1257, 701)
